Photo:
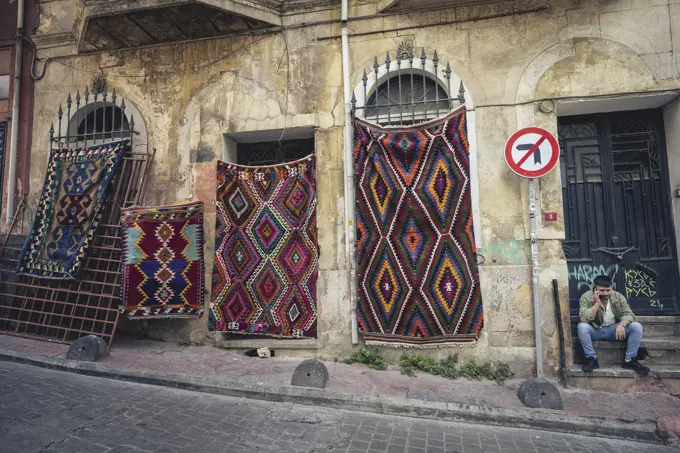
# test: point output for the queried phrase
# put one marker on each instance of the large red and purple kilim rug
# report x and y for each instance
(417, 274)
(266, 251)
(162, 262)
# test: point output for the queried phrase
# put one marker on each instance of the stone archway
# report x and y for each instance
(584, 67)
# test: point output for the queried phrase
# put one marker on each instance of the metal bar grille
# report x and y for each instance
(411, 93)
(272, 153)
(64, 310)
(3, 142)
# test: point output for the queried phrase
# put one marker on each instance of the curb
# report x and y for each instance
(638, 430)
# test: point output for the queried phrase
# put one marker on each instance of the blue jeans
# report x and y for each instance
(587, 334)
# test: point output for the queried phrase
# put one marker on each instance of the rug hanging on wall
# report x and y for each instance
(71, 205)
(266, 251)
(162, 263)
(417, 272)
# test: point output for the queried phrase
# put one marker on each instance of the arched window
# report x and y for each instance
(406, 91)
(406, 99)
(93, 118)
(103, 123)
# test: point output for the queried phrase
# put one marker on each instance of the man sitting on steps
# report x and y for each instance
(606, 316)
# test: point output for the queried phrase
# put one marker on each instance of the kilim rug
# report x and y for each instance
(162, 263)
(70, 208)
(417, 274)
(266, 251)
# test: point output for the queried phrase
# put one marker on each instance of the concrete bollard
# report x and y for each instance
(89, 348)
(310, 373)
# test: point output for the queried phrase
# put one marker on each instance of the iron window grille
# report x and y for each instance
(273, 153)
(410, 91)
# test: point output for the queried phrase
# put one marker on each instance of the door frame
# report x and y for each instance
(655, 117)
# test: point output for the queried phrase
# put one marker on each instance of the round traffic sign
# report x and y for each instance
(532, 152)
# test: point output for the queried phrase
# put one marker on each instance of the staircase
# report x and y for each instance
(660, 351)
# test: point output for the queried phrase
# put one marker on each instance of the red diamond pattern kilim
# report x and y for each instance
(266, 251)
(417, 272)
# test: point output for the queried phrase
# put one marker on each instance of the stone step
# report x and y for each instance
(654, 351)
(660, 326)
(617, 380)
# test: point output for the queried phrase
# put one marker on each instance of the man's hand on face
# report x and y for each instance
(620, 332)
(596, 296)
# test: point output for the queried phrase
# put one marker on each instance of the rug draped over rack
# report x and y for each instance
(162, 262)
(266, 251)
(73, 197)
(417, 272)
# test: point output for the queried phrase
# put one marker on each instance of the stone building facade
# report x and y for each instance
(9, 37)
(279, 68)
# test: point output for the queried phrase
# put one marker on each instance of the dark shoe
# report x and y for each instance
(635, 366)
(591, 364)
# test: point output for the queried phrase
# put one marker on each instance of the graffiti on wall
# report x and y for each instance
(584, 274)
(639, 283)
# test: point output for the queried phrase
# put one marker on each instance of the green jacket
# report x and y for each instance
(620, 308)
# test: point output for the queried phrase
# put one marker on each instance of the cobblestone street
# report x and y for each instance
(50, 411)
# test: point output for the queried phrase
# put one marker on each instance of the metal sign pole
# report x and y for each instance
(535, 270)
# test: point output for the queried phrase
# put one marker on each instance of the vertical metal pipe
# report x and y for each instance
(389, 100)
(349, 177)
(535, 270)
(16, 105)
(87, 114)
(376, 66)
(436, 81)
(60, 134)
(449, 96)
(104, 116)
(95, 113)
(77, 125)
(68, 119)
(114, 111)
(423, 58)
(401, 103)
(364, 80)
(413, 96)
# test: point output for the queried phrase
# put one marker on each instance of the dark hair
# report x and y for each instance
(602, 280)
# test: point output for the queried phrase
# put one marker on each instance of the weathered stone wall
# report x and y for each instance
(190, 95)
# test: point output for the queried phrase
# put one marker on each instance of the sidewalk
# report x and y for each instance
(644, 416)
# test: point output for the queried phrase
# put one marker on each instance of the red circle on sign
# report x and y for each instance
(555, 155)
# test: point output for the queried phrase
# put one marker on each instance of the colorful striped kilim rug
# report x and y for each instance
(266, 251)
(76, 185)
(162, 263)
(417, 273)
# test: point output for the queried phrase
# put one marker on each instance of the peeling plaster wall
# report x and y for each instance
(190, 95)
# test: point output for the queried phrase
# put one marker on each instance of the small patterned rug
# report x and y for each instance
(417, 272)
(266, 251)
(71, 205)
(162, 264)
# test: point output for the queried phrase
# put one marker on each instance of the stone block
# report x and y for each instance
(310, 373)
(87, 349)
(537, 392)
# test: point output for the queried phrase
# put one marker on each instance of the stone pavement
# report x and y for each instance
(429, 394)
(47, 411)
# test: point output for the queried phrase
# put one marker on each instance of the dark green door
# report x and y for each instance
(617, 208)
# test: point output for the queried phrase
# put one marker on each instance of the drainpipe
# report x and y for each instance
(349, 178)
(16, 100)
